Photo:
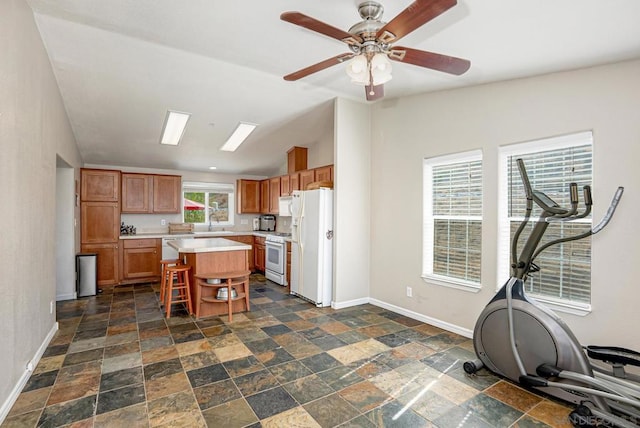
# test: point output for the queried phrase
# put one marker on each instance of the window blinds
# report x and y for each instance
(565, 272)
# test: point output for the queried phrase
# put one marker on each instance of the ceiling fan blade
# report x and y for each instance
(317, 67)
(313, 24)
(444, 63)
(415, 15)
(374, 92)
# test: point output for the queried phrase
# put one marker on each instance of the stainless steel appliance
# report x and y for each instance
(86, 274)
(276, 258)
(168, 252)
(268, 223)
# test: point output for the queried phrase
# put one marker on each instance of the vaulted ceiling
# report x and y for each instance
(121, 64)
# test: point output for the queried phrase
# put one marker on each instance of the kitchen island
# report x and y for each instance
(211, 256)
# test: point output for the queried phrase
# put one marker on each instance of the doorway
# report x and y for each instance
(65, 231)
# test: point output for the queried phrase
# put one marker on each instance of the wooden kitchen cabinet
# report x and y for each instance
(246, 239)
(324, 173)
(137, 190)
(264, 196)
(285, 187)
(99, 185)
(294, 182)
(296, 159)
(167, 194)
(307, 177)
(151, 193)
(259, 253)
(274, 195)
(248, 196)
(107, 262)
(141, 259)
(100, 222)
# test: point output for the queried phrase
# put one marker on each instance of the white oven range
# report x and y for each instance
(276, 258)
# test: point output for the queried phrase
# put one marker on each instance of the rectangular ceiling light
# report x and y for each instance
(173, 128)
(243, 130)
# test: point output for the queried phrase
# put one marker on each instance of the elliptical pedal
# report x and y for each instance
(614, 355)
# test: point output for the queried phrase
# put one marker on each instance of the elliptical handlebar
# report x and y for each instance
(612, 208)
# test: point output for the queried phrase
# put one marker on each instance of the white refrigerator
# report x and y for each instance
(312, 245)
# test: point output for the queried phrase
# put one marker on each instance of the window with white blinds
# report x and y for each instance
(552, 164)
(453, 219)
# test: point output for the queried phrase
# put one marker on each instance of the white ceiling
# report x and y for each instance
(121, 64)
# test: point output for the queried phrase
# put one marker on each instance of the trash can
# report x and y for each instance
(86, 274)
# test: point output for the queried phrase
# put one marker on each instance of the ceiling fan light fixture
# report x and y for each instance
(358, 70)
(380, 69)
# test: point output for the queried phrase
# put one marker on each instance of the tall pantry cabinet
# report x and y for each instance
(100, 220)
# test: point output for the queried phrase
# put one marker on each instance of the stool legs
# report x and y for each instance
(178, 280)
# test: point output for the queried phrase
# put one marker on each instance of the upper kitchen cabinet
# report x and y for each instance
(274, 195)
(137, 193)
(98, 185)
(264, 196)
(151, 193)
(167, 194)
(324, 173)
(307, 177)
(285, 185)
(248, 196)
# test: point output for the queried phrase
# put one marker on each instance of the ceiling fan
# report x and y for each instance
(371, 44)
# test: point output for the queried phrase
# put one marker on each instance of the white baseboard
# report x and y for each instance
(28, 369)
(429, 320)
(349, 303)
(67, 296)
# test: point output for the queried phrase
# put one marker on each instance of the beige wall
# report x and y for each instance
(33, 130)
(603, 99)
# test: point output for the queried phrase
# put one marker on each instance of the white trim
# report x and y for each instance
(428, 217)
(423, 318)
(503, 227)
(349, 303)
(28, 369)
(66, 296)
(458, 284)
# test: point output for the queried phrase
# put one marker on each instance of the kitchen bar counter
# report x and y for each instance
(212, 256)
(206, 245)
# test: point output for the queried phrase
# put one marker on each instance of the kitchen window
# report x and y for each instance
(208, 203)
(452, 229)
(564, 280)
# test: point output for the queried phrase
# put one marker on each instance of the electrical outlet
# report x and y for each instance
(244, 221)
(163, 222)
(409, 292)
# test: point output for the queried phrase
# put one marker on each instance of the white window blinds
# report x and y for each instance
(551, 164)
(453, 218)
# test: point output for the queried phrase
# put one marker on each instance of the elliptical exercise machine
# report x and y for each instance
(522, 340)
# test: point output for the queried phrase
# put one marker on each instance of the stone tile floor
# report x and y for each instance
(117, 362)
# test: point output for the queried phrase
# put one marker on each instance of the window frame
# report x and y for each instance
(504, 235)
(208, 187)
(428, 228)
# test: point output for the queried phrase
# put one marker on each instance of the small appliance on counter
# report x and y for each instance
(256, 223)
(268, 223)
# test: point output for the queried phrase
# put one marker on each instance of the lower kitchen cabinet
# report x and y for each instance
(141, 259)
(259, 252)
(246, 239)
(108, 261)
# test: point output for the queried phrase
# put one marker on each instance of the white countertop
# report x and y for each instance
(199, 235)
(207, 245)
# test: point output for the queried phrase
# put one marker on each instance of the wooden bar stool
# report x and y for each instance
(163, 279)
(238, 280)
(179, 273)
